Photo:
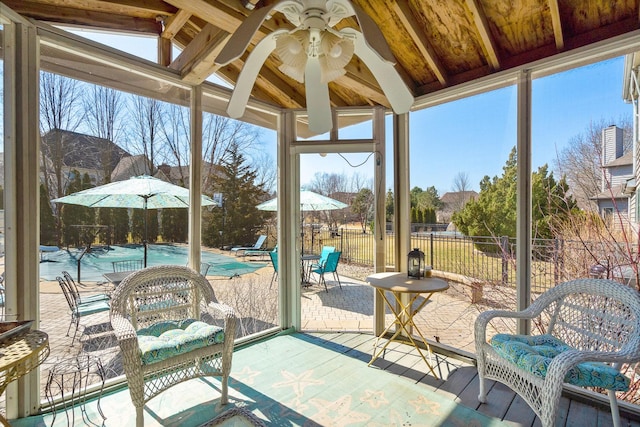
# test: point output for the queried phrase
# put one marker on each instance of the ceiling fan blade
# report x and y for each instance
(318, 104)
(388, 78)
(241, 38)
(249, 73)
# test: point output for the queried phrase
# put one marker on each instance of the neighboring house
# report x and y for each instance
(130, 166)
(97, 157)
(179, 175)
(617, 177)
(631, 94)
(452, 202)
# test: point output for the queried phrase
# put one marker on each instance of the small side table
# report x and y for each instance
(397, 284)
(70, 378)
(20, 355)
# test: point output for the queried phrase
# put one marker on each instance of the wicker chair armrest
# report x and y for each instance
(483, 319)
(222, 310)
(562, 363)
(228, 314)
(568, 359)
(124, 332)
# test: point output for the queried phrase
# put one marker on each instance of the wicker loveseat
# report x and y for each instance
(170, 328)
(591, 327)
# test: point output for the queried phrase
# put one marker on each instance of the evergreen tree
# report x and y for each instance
(493, 213)
(138, 228)
(175, 225)
(389, 206)
(363, 207)
(48, 231)
(238, 219)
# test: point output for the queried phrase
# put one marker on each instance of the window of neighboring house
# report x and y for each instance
(607, 212)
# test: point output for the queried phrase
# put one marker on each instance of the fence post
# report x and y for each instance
(504, 247)
(431, 248)
(556, 267)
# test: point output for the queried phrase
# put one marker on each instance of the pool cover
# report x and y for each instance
(97, 262)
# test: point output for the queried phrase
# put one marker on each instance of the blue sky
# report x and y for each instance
(473, 135)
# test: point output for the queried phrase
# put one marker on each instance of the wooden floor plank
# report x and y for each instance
(580, 414)
(457, 381)
(499, 399)
(469, 395)
(520, 412)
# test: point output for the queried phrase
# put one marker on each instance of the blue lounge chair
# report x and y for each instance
(256, 247)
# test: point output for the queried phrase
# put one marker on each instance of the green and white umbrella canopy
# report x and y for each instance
(309, 201)
(138, 192)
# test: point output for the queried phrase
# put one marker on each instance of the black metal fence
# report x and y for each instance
(489, 259)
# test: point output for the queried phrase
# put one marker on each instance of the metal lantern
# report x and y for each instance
(415, 262)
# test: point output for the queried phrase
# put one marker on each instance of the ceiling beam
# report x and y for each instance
(414, 28)
(268, 85)
(174, 23)
(135, 8)
(482, 25)
(195, 62)
(554, 10)
(72, 16)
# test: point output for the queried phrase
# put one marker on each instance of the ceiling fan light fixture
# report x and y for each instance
(292, 50)
(337, 50)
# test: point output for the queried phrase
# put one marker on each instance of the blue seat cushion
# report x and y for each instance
(535, 353)
(170, 338)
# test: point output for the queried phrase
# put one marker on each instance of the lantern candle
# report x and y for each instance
(415, 262)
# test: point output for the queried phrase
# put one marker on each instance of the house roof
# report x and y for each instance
(82, 151)
(624, 160)
(436, 44)
(616, 192)
(456, 196)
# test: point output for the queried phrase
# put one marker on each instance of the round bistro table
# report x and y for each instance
(19, 355)
(397, 284)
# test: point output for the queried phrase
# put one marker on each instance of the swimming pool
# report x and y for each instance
(97, 262)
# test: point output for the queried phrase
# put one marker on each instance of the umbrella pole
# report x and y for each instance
(144, 241)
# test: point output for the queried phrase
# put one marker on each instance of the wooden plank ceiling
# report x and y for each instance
(437, 43)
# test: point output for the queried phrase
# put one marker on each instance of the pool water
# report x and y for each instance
(97, 262)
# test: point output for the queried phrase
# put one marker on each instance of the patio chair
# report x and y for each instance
(257, 246)
(204, 268)
(79, 309)
(2, 297)
(170, 329)
(593, 328)
(274, 261)
(329, 266)
(324, 253)
(127, 265)
(76, 292)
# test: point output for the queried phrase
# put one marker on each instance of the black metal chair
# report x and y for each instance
(79, 309)
(127, 265)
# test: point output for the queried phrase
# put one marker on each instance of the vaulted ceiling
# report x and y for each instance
(437, 44)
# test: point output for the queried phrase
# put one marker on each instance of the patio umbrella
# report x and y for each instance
(309, 201)
(138, 192)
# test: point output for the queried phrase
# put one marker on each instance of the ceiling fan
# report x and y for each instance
(314, 53)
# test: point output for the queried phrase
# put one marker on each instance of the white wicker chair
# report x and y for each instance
(157, 296)
(599, 319)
